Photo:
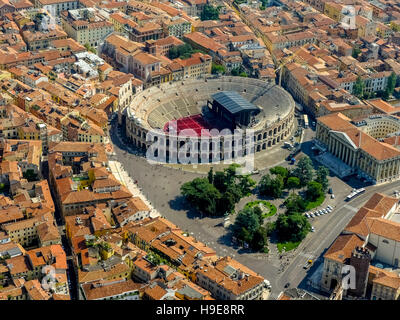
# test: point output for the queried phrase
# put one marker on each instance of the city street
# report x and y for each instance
(161, 186)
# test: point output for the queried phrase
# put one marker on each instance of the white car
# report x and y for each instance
(330, 207)
(312, 229)
(317, 214)
(332, 196)
(312, 215)
(307, 215)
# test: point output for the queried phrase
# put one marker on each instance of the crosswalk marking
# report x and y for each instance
(350, 208)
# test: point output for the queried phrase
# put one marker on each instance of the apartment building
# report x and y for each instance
(176, 26)
(56, 6)
(39, 40)
(227, 279)
(162, 46)
(197, 65)
(144, 31)
(87, 26)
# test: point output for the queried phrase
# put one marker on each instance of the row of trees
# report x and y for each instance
(217, 194)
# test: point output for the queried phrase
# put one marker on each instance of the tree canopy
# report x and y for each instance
(292, 227)
(219, 192)
(304, 171)
(217, 68)
(202, 195)
(248, 228)
(314, 190)
(183, 51)
(293, 183)
(322, 177)
(269, 186)
(358, 88)
(210, 13)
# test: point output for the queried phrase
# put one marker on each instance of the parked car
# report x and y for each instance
(307, 215)
(312, 215)
(330, 191)
(312, 229)
(287, 285)
(332, 196)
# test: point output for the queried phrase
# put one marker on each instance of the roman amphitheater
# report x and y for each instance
(245, 104)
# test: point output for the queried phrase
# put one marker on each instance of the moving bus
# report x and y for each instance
(354, 194)
(305, 121)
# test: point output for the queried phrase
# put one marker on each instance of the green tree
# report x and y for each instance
(314, 190)
(292, 227)
(278, 170)
(264, 184)
(235, 191)
(210, 175)
(271, 187)
(220, 181)
(386, 94)
(322, 177)
(202, 195)
(246, 184)
(90, 48)
(247, 227)
(358, 88)
(248, 220)
(217, 68)
(259, 240)
(183, 51)
(293, 183)
(258, 212)
(391, 83)
(356, 52)
(226, 203)
(210, 13)
(304, 171)
(235, 71)
(295, 204)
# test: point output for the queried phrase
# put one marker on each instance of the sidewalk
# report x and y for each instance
(122, 176)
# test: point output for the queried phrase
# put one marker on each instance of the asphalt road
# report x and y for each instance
(328, 227)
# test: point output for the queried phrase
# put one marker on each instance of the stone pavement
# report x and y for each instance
(122, 176)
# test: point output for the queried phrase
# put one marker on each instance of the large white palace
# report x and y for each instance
(368, 147)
